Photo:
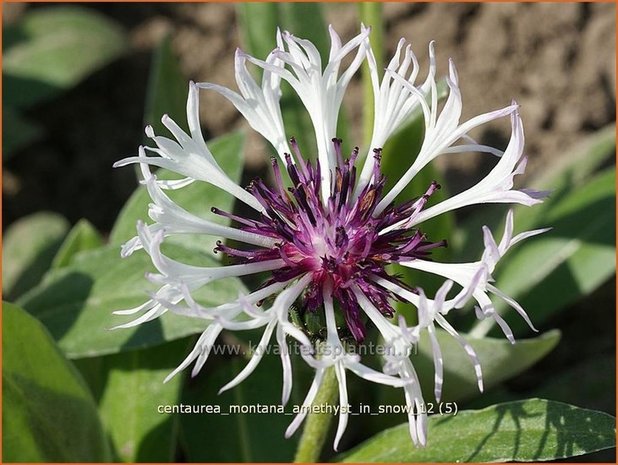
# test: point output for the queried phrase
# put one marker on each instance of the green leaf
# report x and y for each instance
(570, 261)
(76, 302)
(198, 198)
(19, 132)
(230, 436)
(130, 390)
(48, 414)
(82, 237)
(577, 166)
(52, 49)
(29, 248)
(167, 89)
(528, 431)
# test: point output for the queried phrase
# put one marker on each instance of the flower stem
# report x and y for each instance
(317, 424)
(371, 15)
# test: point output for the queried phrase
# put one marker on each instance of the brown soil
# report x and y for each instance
(556, 60)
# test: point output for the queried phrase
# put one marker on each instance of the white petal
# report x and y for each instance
(343, 404)
(203, 345)
(438, 362)
(286, 365)
(260, 350)
(313, 390)
(466, 346)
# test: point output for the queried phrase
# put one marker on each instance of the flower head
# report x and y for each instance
(326, 237)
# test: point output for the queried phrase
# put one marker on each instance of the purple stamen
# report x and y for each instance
(339, 241)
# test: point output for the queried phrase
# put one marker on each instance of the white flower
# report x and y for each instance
(327, 240)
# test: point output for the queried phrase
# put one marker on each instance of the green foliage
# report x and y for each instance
(527, 431)
(83, 236)
(129, 389)
(48, 414)
(258, 23)
(30, 245)
(51, 49)
(582, 385)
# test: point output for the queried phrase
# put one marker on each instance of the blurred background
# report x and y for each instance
(77, 92)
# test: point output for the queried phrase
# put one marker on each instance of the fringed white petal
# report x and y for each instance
(496, 187)
(442, 131)
(259, 105)
(151, 309)
(321, 91)
(343, 404)
(313, 391)
(174, 272)
(417, 411)
(173, 219)
(466, 347)
(256, 358)
(188, 154)
(286, 364)
(274, 318)
(200, 351)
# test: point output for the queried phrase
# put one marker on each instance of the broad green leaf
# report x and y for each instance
(198, 198)
(573, 259)
(30, 245)
(231, 436)
(167, 89)
(527, 431)
(82, 237)
(76, 302)
(18, 132)
(48, 414)
(52, 49)
(129, 389)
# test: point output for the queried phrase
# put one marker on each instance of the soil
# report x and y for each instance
(556, 60)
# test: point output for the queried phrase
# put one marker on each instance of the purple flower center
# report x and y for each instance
(340, 242)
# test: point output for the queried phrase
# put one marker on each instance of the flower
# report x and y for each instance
(326, 240)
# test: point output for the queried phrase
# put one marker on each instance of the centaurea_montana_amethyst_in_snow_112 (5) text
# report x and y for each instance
(326, 240)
